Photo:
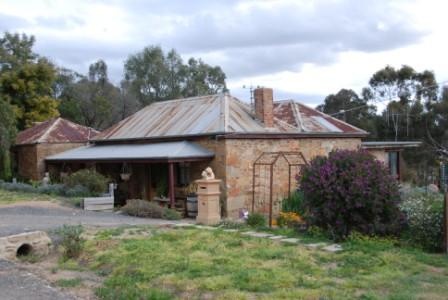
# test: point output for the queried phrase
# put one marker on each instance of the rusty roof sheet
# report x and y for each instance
(56, 130)
(220, 114)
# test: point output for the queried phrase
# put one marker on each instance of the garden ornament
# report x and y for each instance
(208, 174)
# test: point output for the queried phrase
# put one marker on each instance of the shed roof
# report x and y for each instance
(56, 130)
(134, 152)
(390, 144)
(221, 114)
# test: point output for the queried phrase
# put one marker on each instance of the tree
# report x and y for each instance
(154, 76)
(7, 135)
(26, 80)
(90, 100)
(346, 105)
(404, 85)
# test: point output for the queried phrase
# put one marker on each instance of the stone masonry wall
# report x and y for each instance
(27, 162)
(241, 154)
(44, 150)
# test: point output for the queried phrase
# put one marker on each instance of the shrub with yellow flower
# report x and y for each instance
(289, 219)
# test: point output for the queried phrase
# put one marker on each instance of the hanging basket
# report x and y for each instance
(125, 176)
(125, 172)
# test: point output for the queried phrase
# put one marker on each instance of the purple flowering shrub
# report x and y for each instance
(351, 191)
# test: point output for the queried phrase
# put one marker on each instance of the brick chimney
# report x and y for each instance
(264, 106)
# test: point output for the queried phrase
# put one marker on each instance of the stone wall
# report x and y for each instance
(380, 154)
(26, 160)
(31, 158)
(241, 154)
(45, 150)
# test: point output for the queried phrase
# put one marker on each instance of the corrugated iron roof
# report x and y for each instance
(221, 114)
(390, 144)
(156, 151)
(56, 130)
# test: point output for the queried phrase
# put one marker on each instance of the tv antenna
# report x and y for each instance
(251, 91)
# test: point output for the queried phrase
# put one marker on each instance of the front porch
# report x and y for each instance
(155, 172)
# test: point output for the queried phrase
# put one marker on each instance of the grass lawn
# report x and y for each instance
(8, 197)
(205, 264)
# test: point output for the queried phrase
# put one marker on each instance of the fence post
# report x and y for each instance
(445, 223)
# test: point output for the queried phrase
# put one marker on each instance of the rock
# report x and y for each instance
(316, 245)
(433, 188)
(36, 242)
(230, 230)
(260, 235)
(290, 240)
(248, 232)
(277, 237)
(333, 248)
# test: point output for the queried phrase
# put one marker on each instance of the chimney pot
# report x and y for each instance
(264, 106)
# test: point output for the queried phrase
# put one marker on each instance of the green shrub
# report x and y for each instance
(51, 189)
(424, 214)
(93, 181)
(18, 187)
(77, 191)
(294, 203)
(171, 214)
(71, 240)
(256, 220)
(351, 191)
(142, 208)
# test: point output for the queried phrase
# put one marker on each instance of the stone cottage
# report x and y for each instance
(47, 138)
(166, 145)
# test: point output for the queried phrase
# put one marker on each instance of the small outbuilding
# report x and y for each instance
(47, 138)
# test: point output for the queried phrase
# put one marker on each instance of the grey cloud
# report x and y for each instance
(244, 43)
(11, 23)
(59, 22)
(262, 41)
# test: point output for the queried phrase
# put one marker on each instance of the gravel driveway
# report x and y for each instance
(31, 216)
(19, 284)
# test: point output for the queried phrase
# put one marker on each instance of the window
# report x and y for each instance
(183, 174)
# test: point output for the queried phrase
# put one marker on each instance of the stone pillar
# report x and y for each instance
(208, 201)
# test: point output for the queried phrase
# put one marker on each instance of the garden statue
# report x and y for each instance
(46, 179)
(208, 174)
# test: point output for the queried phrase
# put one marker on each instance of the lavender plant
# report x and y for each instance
(351, 191)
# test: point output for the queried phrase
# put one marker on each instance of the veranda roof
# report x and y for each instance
(170, 151)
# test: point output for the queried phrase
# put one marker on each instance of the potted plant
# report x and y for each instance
(192, 199)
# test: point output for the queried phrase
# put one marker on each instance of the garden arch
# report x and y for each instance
(263, 177)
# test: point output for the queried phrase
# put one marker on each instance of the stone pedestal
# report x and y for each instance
(209, 212)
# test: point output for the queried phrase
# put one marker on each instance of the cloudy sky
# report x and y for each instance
(304, 50)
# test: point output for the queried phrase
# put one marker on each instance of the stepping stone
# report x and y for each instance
(230, 230)
(333, 248)
(248, 233)
(316, 245)
(206, 227)
(183, 225)
(290, 240)
(277, 237)
(260, 235)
